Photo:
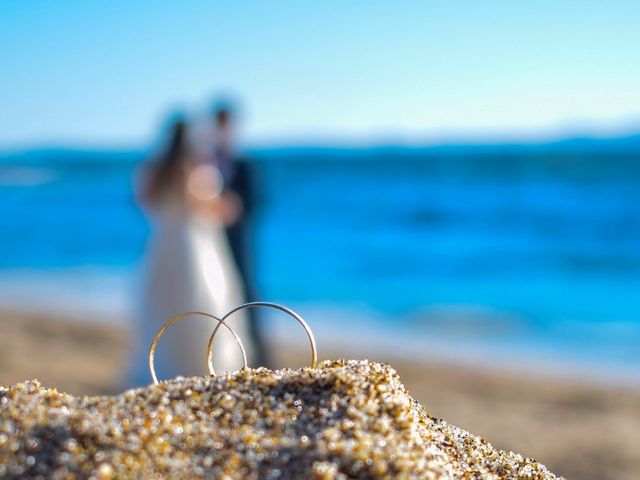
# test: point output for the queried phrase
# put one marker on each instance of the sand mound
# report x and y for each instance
(344, 419)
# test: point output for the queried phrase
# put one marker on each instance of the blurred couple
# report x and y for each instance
(199, 198)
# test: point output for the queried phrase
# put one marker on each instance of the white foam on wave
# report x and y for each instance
(82, 293)
(26, 176)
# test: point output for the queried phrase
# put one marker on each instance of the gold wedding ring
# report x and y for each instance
(222, 321)
(312, 340)
(181, 316)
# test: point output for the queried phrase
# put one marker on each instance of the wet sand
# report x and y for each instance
(579, 430)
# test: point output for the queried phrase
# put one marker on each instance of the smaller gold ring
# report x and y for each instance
(152, 349)
(312, 340)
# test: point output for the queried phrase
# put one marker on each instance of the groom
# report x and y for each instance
(237, 179)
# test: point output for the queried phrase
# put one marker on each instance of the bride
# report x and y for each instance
(189, 266)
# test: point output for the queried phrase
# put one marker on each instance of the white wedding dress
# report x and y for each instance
(189, 267)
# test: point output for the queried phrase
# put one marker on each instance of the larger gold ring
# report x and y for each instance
(312, 340)
(152, 349)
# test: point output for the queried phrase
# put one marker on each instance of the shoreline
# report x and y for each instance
(399, 345)
(605, 352)
(577, 429)
(354, 334)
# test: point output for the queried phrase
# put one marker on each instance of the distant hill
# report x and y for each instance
(62, 156)
(623, 145)
(575, 145)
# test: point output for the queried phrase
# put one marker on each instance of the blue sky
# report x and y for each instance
(107, 72)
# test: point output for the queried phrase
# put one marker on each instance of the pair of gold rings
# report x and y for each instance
(222, 322)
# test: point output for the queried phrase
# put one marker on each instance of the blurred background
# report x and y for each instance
(452, 188)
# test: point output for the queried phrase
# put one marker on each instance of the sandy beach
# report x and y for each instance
(577, 429)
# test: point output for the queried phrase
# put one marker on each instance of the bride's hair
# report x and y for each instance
(168, 163)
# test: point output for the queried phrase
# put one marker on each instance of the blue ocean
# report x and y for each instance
(511, 254)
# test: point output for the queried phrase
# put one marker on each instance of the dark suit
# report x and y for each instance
(242, 182)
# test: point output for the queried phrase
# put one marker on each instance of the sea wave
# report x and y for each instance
(26, 176)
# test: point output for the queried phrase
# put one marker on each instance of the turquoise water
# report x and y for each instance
(505, 251)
